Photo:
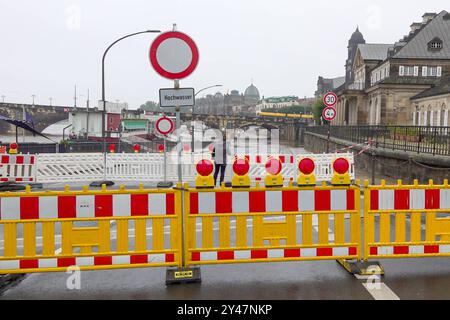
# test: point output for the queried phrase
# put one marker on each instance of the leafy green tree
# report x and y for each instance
(317, 111)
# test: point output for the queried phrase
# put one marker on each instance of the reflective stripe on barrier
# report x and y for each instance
(85, 206)
(17, 168)
(407, 221)
(272, 225)
(107, 229)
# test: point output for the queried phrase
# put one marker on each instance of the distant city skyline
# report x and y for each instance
(48, 46)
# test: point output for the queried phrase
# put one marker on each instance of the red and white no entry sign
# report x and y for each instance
(330, 99)
(164, 126)
(329, 114)
(174, 55)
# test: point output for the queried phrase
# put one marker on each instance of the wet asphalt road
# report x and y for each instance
(408, 279)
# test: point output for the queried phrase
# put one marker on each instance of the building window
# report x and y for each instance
(431, 71)
(435, 45)
(408, 71)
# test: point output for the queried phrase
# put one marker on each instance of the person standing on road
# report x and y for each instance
(219, 155)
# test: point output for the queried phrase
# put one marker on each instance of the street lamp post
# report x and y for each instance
(103, 79)
(104, 99)
(193, 114)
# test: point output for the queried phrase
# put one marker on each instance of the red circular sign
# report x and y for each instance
(330, 99)
(174, 55)
(164, 126)
(306, 166)
(341, 166)
(273, 167)
(205, 168)
(241, 167)
(329, 114)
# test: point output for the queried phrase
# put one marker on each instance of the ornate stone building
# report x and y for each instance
(386, 81)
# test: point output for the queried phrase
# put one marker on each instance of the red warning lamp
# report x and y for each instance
(341, 176)
(306, 166)
(241, 167)
(274, 167)
(341, 166)
(137, 148)
(13, 148)
(205, 168)
(112, 148)
(274, 177)
(161, 148)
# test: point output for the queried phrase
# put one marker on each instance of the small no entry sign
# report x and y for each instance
(164, 126)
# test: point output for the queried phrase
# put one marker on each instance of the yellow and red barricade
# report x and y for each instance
(406, 221)
(284, 224)
(89, 229)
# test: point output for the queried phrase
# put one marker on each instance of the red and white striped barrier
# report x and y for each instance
(416, 199)
(81, 262)
(272, 201)
(85, 206)
(310, 253)
(17, 168)
(409, 250)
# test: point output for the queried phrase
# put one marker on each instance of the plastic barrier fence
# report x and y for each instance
(51, 231)
(17, 168)
(148, 167)
(407, 221)
(272, 225)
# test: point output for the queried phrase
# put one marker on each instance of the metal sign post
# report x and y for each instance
(174, 55)
(164, 126)
(329, 113)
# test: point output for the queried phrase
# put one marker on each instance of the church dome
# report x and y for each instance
(357, 36)
(252, 92)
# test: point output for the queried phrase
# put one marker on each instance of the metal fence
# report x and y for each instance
(419, 139)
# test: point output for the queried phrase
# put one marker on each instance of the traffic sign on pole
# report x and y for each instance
(330, 99)
(183, 97)
(329, 114)
(164, 126)
(174, 55)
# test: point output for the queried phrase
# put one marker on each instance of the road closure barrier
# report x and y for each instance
(17, 168)
(186, 227)
(406, 221)
(51, 231)
(271, 225)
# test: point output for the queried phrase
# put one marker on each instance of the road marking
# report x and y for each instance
(380, 291)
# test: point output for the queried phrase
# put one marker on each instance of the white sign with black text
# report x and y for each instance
(183, 97)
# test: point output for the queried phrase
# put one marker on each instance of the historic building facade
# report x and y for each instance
(385, 83)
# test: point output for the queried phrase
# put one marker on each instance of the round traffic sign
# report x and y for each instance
(164, 126)
(329, 114)
(330, 99)
(174, 55)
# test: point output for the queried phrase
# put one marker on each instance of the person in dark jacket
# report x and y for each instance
(219, 155)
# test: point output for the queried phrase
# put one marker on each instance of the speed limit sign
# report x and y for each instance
(330, 99)
(329, 114)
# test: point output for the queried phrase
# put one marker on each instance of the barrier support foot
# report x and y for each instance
(362, 268)
(183, 276)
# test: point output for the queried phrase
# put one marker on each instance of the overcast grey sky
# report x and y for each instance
(48, 46)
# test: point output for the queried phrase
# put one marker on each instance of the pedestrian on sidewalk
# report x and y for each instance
(219, 155)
